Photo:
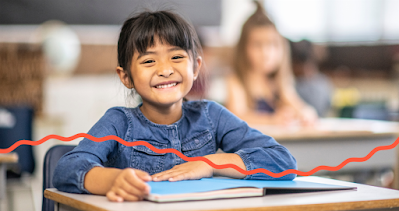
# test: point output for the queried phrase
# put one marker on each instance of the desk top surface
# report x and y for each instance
(333, 128)
(365, 197)
(9, 157)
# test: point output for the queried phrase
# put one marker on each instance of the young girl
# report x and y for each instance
(262, 89)
(159, 57)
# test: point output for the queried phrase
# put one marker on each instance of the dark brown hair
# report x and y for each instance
(139, 32)
(302, 51)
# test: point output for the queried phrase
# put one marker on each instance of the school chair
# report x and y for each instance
(376, 111)
(50, 161)
(16, 124)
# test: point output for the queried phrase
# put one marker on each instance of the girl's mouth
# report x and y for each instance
(166, 85)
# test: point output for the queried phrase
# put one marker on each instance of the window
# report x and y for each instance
(336, 20)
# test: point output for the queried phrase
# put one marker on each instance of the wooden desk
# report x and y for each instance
(334, 140)
(365, 197)
(333, 128)
(4, 159)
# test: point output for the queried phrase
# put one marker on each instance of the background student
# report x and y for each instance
(160, 57)
(261, 90)
(312, 86)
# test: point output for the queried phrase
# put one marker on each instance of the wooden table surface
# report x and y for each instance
(365, 197)
(332, 128)
(334, 140)
(4, 160)
(11, 157)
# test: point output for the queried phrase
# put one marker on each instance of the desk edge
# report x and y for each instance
(9, 158)
(70, 201)
(370, 204)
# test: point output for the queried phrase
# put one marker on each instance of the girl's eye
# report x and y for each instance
(177, 57)
(148, 61)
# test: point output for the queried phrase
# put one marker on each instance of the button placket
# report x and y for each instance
(176, 145)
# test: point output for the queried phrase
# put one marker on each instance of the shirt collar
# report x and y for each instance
(141, 116)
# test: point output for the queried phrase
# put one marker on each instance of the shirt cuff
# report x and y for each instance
(246, 161)
(82, 173)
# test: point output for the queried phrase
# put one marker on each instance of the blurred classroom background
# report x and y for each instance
(58, 60)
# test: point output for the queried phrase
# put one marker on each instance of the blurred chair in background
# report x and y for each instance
(376, 111)
(50, 161)
(15, 125)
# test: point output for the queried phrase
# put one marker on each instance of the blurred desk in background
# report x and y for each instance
(334, 140)
(4, 159)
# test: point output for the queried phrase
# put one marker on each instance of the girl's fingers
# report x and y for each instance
(156, 177)
(126, 196)
(113, 197)
(181, 176)
(132, 190)
(161, 177)
(143, 175)
(165, 175)
(135, 181)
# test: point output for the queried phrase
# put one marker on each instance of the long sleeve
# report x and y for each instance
(256, 149)
(73, 166)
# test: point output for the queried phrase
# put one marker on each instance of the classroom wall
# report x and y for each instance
(103, 12)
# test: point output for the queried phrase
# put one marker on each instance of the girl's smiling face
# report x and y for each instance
(163, 75)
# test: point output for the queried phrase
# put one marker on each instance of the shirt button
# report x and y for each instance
(196, 141)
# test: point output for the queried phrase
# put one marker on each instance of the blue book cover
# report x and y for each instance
(214, 188)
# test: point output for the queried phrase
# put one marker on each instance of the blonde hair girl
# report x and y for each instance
(261, 90)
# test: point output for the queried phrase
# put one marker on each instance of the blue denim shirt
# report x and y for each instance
(204, 127)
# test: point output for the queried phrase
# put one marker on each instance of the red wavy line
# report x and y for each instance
(168, 150)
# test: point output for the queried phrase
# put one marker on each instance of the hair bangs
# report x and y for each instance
(163, 28)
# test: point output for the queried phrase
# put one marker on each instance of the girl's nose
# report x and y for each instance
(165, 70)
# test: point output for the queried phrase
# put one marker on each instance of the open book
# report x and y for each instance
(212, 188)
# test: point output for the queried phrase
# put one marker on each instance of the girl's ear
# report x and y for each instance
(197, 67)
(124, 77)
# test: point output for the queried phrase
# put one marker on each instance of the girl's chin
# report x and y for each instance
(167, 102)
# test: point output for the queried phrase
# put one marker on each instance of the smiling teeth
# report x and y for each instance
(166, 86)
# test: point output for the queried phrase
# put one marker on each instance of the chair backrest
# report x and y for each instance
(50, 162)
(371, 111)
(15, 125)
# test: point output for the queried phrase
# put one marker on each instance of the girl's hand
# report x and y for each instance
(186, 171)
(309, 117)
(129, 185)
(284, 116)
(288, 116)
